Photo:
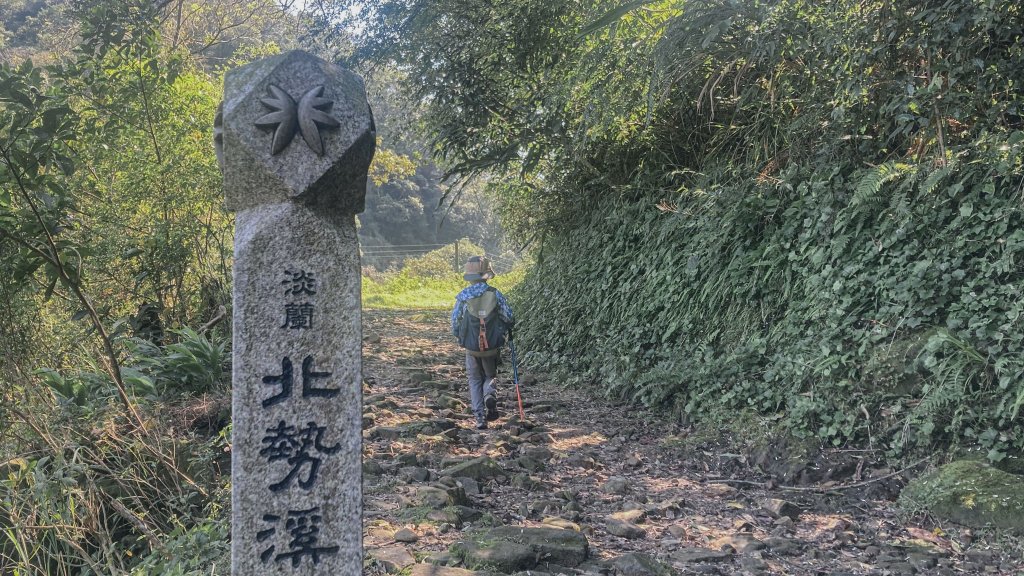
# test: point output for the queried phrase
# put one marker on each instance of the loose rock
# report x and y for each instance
(616, 485)
(624, 529)
(778, 508)
(637, 564)
(392, 558)
(697, 555)
(739, 542)
(406, 535)
(478, 469)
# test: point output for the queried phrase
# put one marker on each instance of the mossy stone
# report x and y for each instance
(970, 493)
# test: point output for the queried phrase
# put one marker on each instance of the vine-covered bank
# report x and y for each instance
(806, 210)
(840, 245)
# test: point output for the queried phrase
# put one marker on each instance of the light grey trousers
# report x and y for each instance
(481, 372)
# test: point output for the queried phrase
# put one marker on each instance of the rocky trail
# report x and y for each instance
(584, 486)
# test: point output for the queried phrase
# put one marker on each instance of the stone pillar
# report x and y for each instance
(295, 137)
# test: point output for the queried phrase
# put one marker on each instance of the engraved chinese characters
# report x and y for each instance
(297, 414)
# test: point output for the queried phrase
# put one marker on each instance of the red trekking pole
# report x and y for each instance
(515, 377)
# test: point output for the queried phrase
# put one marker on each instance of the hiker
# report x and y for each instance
(480, 321)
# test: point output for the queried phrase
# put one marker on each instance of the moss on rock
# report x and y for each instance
(970, 493)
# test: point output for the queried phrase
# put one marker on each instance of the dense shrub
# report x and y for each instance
(821, 222)
(809, 210)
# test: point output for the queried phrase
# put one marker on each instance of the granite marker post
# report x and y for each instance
(295, 137)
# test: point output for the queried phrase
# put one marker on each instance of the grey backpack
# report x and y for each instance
(481, 327)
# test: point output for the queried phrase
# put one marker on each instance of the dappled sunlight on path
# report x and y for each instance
(636, 491)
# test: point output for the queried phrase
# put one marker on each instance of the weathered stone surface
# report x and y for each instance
(639, 564)
(406, 535)
(563, 547)
(616, 485)
(456, 493)
(417, 375)
(633, 515)
(670, 509)
(471, 486)
(778, 508)
(783, 546)
(414, 474)
(541, 453)
(440, 559)
(254, 175)
(445, 516)
(740, 542)
(697, 555)
(297, 385)
(968, 492)
(502, 555)
(373, 468)
(624, 529)
(526, 482)
(480, 468)
(392, 558)
(544, 506)
(752, 564)
(380, 402)
(676, 531)
(467, 513)
(431, 497)
(531, 463)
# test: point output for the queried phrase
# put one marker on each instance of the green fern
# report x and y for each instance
(871, 183)
(933, 179)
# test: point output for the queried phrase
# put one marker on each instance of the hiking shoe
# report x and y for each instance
(492, 407)
(481, 425)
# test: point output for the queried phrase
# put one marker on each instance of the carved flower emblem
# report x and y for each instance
(307, 116)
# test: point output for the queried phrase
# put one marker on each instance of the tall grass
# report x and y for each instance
(427, 282)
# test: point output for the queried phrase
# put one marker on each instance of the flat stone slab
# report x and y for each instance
(632, 516)
(392, 558)
(740, 542)
(557, 546)
(512, 548)
(624, 529)
(406, 535)
(431, 497)
(504, 556)
(784, 546)
(478, 469)
(616, 485)
(696, 555)
(639, 564)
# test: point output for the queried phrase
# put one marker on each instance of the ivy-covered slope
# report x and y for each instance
(839, 244)
(807, 209)
(837, 313)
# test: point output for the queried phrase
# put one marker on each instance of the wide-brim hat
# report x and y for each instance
(477, 268)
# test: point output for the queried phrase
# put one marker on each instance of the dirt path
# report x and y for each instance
(591, 487)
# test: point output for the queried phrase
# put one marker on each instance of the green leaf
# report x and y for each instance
(611, 17)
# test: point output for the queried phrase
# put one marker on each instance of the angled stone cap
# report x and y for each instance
(295, 127)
